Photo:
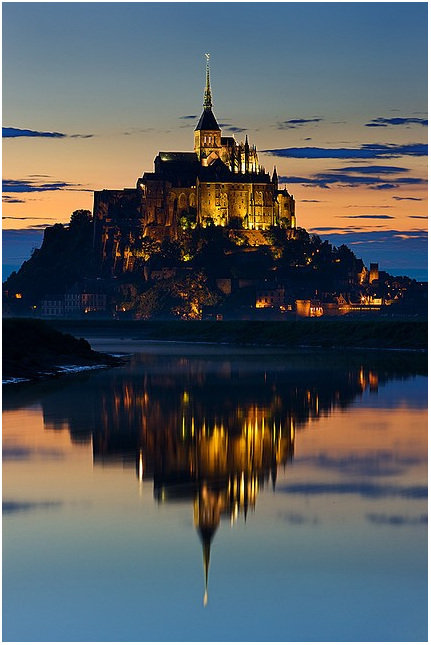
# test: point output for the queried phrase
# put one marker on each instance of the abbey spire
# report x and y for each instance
(208, 121)
(207, 94)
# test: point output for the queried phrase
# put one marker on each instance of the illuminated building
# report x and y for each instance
(374, 272)
(220, 182)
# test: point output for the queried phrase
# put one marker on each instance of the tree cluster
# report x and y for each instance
(65, 257)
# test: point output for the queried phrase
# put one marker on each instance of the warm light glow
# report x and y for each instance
(141, 466)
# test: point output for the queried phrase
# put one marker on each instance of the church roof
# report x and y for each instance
(183, 157)
(180, 168)
(207, 121)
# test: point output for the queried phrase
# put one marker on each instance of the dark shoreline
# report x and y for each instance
(326, 334)
(34, 351)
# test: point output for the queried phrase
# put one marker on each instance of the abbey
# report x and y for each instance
(221, 182)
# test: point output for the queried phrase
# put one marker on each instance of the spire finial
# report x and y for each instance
(207, 94)
(206, 554)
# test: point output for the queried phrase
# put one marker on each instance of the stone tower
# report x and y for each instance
(207, 132)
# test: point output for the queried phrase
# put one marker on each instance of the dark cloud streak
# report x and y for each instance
(32, 186)
(13, 133)
(382, 122)
(296, 123)
(365, 151)
(366, 216)
(10, 507)
(396, 520)
(325, 180)
(409, 199)
(364, 170)
(363, 489)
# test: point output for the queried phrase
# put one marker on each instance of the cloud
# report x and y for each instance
(311, 201)
(409, 199)
(32, 186)
(363, 489)
(382, 122)
(365, 151)
(12, 200)
(19, 453)
(13, 133)
(298, 518)
(366, 216)
(418, 216)
(139, 131)
(296, 123)
(10, 507)
(385, 186)
(379, 463)
(326, 179)
(408, 236)
(42, 227)
(19, 132)
(396, 520)
(189, 117)
(367, 206)
(234, 128)
(381, 236)
(33, 219)
(365, 170)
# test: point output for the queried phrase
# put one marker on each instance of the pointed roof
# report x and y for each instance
(207, 120)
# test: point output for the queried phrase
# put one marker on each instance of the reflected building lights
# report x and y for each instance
(214, 438)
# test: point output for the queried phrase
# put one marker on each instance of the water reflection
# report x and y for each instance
(214, 431)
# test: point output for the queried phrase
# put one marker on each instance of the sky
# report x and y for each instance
(333, 94)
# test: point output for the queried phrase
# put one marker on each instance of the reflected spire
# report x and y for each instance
(206, 549)
(206, 534)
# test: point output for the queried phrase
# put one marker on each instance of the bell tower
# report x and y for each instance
(207, 132)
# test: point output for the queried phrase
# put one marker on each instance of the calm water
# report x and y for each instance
(203, 493)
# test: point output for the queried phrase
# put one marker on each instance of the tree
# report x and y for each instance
(187, 219)
(235, 223)
(181, 297)
(80, 217)
(65, 257)
(146, 247)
